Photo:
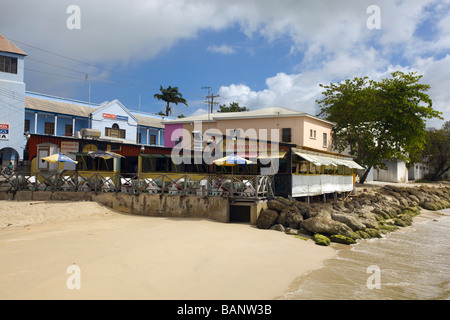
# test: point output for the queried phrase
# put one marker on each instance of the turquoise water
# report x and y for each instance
(412, 263)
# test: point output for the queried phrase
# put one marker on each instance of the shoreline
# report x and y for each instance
(135, 257)
(331, 266)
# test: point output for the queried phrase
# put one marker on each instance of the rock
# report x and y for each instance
(341, 239)
(321, 240)
(373, 233)
(276, 205)
(351, 220)
(362, 234)
(326, 225)
(369, 223)
(291, 231)
(290, 219)
(286, 202)
(429, 205)
(387, 227)
(267, 218)
(277, 227)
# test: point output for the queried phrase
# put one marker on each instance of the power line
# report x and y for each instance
(82, 62)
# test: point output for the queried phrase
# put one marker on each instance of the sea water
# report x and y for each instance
(411, 263)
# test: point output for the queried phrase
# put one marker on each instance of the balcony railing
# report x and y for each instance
(232, 186)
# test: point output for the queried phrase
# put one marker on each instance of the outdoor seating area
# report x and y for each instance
(232, 186)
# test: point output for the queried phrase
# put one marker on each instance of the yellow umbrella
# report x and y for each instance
(59, 157)
(231, 160)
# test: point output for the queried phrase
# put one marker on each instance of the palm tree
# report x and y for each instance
(170, 95)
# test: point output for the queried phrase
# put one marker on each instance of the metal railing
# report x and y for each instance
(232, 186)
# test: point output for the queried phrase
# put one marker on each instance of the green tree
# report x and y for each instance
(377, 121)
(437, 151)
(170, 95)
(234, 107)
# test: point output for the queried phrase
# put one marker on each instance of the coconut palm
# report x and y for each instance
(170, 95)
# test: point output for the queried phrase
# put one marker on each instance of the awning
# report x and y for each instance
(155, 155)
(273, 155)
(328, 161)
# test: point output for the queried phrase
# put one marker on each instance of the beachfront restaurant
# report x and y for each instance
(321, 174)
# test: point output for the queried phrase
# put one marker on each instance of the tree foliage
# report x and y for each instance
(377, 121)
(233, 107)
(170, 95)
(437, 151)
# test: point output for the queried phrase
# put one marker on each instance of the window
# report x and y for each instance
(8, 64)
(152, 139)
(325, 140)
(49, 128)
(286, 135)
(115, 132)
(68, 130)
(312, 134)
(138, 137)
(27, 125)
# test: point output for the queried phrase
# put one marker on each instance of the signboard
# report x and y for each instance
(4, 131)
(114, 117)
(69, 147)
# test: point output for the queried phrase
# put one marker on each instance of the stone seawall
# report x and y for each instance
(214, 208)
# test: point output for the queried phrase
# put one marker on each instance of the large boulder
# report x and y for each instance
(326, 225)
(350, 220)
(290, 219)
(276, 205)
(267, 218)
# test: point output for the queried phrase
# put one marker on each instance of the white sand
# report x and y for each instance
(135, 257)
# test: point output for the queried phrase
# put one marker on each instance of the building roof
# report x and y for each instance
(54, 106)
(77, 108)
(8, 46)
(255, 114)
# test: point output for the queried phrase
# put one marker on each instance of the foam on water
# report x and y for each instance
(414, 263)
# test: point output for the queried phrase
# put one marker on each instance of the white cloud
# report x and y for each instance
(222, 49)
(330, 38)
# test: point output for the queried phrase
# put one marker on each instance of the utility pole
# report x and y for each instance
(211, 102)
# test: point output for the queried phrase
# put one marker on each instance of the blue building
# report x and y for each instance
(12, 102)
(23, 113)
(111, 121)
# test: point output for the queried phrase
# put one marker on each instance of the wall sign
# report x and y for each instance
(115, 117)
(4, 131)
(69, 147)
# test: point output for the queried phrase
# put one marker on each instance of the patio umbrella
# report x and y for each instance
(105, 155)
(59, 157)
(232, 160)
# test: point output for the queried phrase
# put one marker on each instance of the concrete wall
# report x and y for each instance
(214, 208)
(395, 171)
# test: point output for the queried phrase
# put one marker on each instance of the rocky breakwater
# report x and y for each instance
(371, 213)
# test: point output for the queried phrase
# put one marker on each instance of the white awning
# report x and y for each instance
(328, 161)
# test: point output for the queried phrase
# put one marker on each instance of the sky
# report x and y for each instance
(258, 53)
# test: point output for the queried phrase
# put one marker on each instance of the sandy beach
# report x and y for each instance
(135, 257)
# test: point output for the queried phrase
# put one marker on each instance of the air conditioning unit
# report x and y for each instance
(90, 133)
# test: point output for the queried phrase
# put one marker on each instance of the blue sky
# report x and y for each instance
(259, 53)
